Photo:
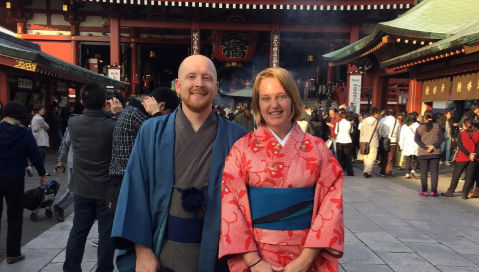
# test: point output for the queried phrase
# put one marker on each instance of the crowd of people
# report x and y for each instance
(188, 186)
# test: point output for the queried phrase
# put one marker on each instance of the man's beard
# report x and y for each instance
(197, 107)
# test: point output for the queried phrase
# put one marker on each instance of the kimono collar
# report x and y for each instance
(282, 142)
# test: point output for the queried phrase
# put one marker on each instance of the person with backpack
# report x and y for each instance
(429, 137)
(408, 145)
(16, 145)
(466, 159)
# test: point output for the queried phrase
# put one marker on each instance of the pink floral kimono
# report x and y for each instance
(259, 160)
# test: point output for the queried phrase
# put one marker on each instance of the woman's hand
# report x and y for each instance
(298, 265)
(43, 180)
(472, 156)
(264, 266)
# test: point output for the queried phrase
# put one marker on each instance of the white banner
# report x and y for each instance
(355, 82)
(114, 73)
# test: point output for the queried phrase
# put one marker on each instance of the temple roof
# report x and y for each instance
(431, 19)
(468, 34)
(19, 49)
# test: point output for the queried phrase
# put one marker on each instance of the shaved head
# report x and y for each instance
(197, 60)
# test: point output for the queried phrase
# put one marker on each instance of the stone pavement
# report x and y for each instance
(389, 227)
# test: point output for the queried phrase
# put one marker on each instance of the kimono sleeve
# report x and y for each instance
(327, 228)
(133, 221)
(236, 235)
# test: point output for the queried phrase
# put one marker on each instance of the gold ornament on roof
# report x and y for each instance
(26, 65)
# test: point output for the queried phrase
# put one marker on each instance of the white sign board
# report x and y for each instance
(114, 73)
(355, 82)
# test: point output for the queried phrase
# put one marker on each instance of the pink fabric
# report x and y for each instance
(259, 160)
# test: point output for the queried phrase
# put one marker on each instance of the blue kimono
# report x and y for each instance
(143, 205)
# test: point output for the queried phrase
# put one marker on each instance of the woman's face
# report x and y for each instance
(275, 104)
(448, 115)
(42, 111)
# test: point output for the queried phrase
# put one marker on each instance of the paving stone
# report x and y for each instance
(382, 219)
(467, 217)
(58, 267)
(473, 258)
(423, 240)
(341, 269)
(459, 244)
(366, 267)
(472, 235)
(35, 259)
(361, 225)
(452, 222)
(405, 232)
(382, 242)
(457, 269)
(448, 208)
(50, 239)
(430, 227)
(439, 254)
(90, 254)
(406, 262)
(354, 198)
(408, 215)
(367, 208)
(353, 213)
(357, 253)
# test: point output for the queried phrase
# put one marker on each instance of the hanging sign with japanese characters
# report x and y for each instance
(25, 83)
(355, 82)
(234, 45)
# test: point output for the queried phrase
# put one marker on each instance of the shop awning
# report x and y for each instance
(28, 56)
(431, 20)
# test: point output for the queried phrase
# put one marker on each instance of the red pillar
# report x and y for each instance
(415, 95)
(378, 84)
(353, 37)
(115, 41)
(134, 65)
(75, 48)
(4, 90)
(21, 26)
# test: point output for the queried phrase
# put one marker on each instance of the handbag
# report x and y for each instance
(365, 147)
(385, 142)
(329, 142)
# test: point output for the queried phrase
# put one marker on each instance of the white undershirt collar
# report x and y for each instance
(282, 142)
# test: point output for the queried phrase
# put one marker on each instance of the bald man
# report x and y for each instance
(169, 210)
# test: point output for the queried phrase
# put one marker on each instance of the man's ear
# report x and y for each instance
(162, 106)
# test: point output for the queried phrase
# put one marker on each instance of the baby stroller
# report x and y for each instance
(41, 198)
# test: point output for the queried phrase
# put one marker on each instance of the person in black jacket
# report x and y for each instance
(91, 136)
(16, 145)
(56, 126)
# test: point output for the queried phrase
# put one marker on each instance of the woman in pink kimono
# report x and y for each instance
(282, 189)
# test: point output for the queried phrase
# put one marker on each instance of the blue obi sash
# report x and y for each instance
(281, 208)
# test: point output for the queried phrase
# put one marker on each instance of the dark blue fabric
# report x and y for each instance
(184, 230)
(16, 146)
(147, 187)
(264, 201)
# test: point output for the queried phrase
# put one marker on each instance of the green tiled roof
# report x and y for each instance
(431, 19)
(465, 35)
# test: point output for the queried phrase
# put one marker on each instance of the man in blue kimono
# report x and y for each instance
(169, 210)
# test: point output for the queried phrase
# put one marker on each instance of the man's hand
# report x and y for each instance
(472, 156)
(43, 180)
(116, 106)
(146, 260)
(60, 164)
(151, 105)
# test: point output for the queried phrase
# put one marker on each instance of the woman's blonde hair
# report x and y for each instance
(286, 80)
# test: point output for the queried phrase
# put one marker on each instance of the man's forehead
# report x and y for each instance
(197, 64)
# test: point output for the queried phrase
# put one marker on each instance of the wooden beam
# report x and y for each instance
(4, 89)
(231, 26)
(304, 2)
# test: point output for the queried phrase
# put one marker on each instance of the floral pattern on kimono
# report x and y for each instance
(259, 160)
